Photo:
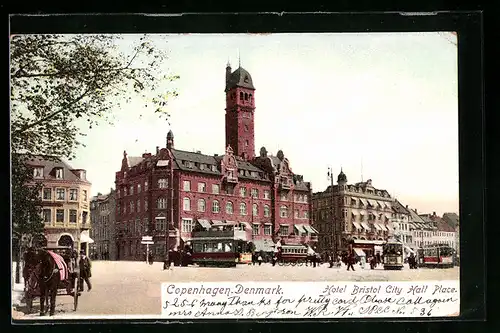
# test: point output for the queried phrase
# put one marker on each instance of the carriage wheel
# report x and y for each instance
(75, 294)
(281, 263)
(293, 263)
(300, 262)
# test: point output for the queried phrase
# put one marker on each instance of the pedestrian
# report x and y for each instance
(274, 260)
(150, 257)
(85, 271)
(330, 260)
(363, 262)
(166, 262)
(350, 261)
(259, 259)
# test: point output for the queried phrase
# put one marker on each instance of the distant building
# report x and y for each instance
(442, 233)
(360, 212)
(402, 224)
(421, 229)
(65, 200)
(453, 221)
(102, 215)
(170, 193)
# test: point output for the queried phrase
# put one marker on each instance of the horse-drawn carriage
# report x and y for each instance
(50, 272)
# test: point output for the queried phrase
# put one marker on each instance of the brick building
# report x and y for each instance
(102, 216)
(179, 191)
(359, 212)
(65, 201)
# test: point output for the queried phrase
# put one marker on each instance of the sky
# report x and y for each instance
(381, 106)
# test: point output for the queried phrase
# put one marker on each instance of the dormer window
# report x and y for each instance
(82, 175)
(38, 172)
(59, 173)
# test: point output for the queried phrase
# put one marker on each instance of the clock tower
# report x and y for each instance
(240, 109)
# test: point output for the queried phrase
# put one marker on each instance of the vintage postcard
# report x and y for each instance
(232, 176)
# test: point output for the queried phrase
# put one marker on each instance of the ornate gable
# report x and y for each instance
(229, 166)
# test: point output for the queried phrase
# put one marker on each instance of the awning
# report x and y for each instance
(359, 252)
(389, 226)
(310, 229)
(388, 215)
(377, 226)
(366, 226)
(246, 224)
(381, 203)
(315, 231)
(387, 204)
(204, 223)
(357, 225)
(85, 238)
(229, 222)
(363, 201)
(310, 250)
(409, 249)
(300, 228)
(354, 213)
(382, 227)
(372, 202)
(217, 222)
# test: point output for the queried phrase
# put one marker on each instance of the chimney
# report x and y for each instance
(406, 206)
(215, 155)
(433, 213)
(157, 150)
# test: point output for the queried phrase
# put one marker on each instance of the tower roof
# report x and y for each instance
(342, 177)
(240, 78)
(170, 135)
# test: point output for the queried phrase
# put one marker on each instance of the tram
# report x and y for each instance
(436, 256)
(393, 255)
(296, 254)
(220, 251)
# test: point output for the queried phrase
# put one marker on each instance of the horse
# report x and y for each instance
(44, 279)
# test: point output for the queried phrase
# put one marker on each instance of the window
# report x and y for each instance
(131, 206)
(201, 205)
(160, 223)
(241, 95)
(60, 194)
(60, 215)
(246, 143)
(161, 203)
(243, 191)
(306, 214)
(305, 197)
(187, 204)
(255, 193)
(267, 230)
(131, 191)
(73, 194)
(146, 185)
(255, 229)
(266, 211)
(138, 188)
(138, 205)
(187, 185)
(145, 205)
(84, 217)
(202, 187)
(84, 192)
(47, 215)
(59, 173)
(267, 194)
(215, 189)
(284, 196)
(38, 172)
(243, 208)
(47, 194)
(215, 206)
(187, 225)
(283, 230)
(162, 183)
(229, 208)
(296, 214)
(255, 210)
(72, 215)
(283, 211)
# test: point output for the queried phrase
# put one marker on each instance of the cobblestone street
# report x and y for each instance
(133, 288)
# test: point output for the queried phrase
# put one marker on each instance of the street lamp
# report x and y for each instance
(332, 212)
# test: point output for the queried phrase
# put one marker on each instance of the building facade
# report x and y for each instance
(173, 192)
(402, 224)
(102, 216)
(453, 221)
(65, 200)
(358, 211)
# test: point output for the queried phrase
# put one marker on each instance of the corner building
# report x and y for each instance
(173, 192)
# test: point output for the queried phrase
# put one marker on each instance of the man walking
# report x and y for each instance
(85, 271)
(350, 261)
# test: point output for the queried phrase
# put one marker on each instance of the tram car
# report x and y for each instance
(293, 254)
(220, 251)
(393, 255)
(436, 256)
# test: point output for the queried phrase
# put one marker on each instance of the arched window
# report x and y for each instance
(250, 97)
(201, 205)
(246, 97)
(243, 209)
(187, 204)
(161, 203)
(215, 206)
(229, 207)
(241, 96)
(266, 211)
(284, 211)
(255, 209)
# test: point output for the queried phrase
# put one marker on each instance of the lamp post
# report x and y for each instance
(332, 212)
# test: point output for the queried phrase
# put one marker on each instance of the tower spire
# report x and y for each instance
(361, 169)
(239, 58)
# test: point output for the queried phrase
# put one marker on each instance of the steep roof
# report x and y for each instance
(240, 78)
(399, 208)
(50, 163)
(452, 219)
(134, 160)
